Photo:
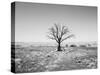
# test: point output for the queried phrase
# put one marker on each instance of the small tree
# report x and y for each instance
(59, 34)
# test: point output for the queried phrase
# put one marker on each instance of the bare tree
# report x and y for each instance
(59, 34)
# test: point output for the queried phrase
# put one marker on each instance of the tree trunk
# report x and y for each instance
(59, 47)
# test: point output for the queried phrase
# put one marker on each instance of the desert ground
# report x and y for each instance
(47, 58)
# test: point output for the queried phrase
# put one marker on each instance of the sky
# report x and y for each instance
(32, 21)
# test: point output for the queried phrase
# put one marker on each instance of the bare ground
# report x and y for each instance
(48, 59)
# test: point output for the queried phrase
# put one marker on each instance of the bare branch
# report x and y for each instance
(67, 37)
(57, 30)
(52, 37)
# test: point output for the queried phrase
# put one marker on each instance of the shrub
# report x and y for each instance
(82, 45)
(66, 45)
(73, 45)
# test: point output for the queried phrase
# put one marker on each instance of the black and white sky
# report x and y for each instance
(32, 21)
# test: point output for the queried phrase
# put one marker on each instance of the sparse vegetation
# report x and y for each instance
(40, 59)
